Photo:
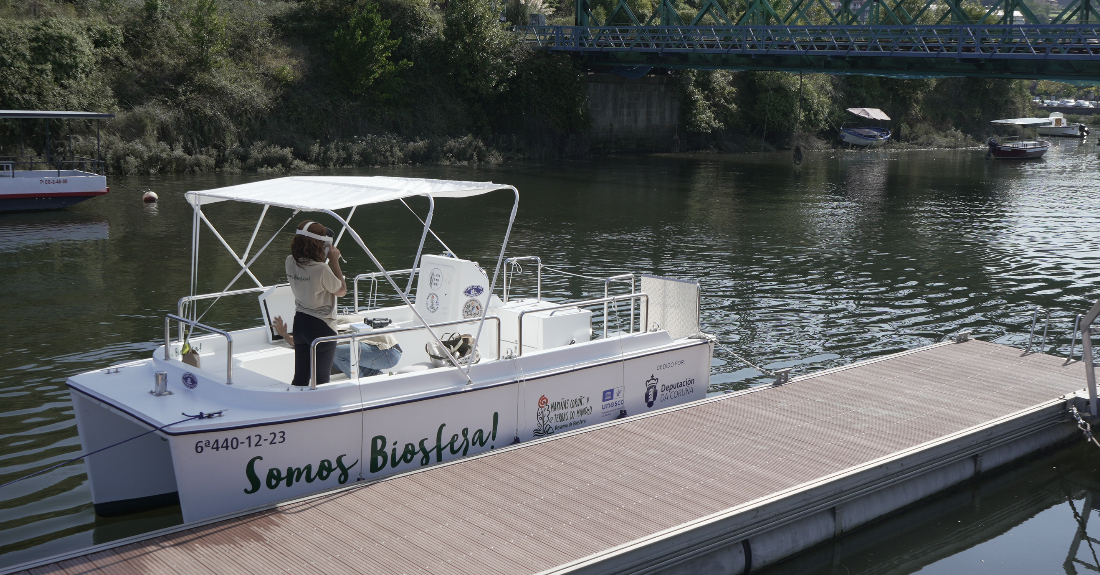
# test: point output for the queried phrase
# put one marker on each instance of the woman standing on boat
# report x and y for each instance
(316, 287)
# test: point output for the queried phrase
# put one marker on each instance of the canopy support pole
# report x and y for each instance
(336, 242)
(404, 297)
(423, 235)
(240, 262)
(492, 284)
(255, 231)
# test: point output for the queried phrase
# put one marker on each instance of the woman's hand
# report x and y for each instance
(334, 264)
(280, 327)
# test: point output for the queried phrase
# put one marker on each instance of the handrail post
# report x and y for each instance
(313, 365)
(1086, 344)
(193, 324)
(1090, 369)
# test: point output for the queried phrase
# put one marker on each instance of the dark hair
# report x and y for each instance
(305, 249)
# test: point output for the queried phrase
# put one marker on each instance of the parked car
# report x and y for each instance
(1081, 104)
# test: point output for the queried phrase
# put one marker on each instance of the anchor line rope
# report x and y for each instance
(200, 415)
(739, 357)
(1083, 425)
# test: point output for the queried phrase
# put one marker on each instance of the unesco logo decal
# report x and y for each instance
(189, 380)
(650, 391)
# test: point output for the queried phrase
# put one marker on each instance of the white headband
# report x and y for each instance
(308, 234)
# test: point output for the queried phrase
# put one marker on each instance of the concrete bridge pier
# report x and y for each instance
(641, 115)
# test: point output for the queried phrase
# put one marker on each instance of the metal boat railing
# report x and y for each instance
(1087, 355)
(627, 277)
(605, 301)
(510, 262)
(356, 336)
(228, 338)
(372, 296)
(71, 163)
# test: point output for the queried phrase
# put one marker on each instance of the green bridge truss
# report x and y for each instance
(909, 38)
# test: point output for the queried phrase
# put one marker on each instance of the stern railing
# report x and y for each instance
(604, 300)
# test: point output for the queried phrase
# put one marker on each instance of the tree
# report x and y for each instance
(362, 54)
(481, 51)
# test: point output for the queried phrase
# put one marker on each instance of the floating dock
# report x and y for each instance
(724, 485)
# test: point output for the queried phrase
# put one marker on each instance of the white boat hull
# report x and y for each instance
(273, 460)
(872, 139)
(47, 189)
(1070, 131)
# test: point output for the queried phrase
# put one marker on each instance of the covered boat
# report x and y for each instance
(1058, 126)
(865, 136)
(231, 433)
(1015, 147)
(52, 180)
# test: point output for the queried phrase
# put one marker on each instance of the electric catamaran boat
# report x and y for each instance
(537, 368)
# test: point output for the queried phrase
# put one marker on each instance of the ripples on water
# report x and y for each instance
(850, 256)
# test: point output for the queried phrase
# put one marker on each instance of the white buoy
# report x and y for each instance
(149, 197)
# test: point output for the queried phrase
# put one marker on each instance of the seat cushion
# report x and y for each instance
(415, 367)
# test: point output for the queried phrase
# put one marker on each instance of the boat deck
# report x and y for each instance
(643, 492)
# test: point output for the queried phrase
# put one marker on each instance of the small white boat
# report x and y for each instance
(26, 184)
(865, 136)
(1058, 126)
(259, 439)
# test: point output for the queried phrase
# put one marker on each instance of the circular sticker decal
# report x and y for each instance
(433, 302)
(471, 309)
(189, 380)
(474, 291)
(435, 279)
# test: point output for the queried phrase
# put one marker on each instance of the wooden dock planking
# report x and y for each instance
(550, 503)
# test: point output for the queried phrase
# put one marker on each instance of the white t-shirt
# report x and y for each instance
(314, 286)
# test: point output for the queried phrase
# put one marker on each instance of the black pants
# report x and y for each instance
(306, 329)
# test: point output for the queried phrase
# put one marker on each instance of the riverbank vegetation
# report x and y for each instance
(199, 85)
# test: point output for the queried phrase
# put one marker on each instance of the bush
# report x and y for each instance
(362, 54)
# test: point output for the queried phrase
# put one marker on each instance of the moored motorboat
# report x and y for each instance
(50, 181)
(865, 136)
(1057, 126)
(1015, 147)
(226, 431)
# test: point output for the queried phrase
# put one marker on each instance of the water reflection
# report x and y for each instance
(1031, 519)
(29, 231)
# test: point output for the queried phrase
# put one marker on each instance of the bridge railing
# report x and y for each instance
(1063, 42)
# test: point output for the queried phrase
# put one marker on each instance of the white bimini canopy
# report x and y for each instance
(1023, 122)
(870, 113)
(319, 193)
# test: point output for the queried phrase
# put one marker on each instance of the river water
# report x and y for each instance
(849, 256)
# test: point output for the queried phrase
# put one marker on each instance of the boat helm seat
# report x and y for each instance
(277, 301)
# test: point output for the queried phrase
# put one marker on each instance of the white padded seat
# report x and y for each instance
(414, 367)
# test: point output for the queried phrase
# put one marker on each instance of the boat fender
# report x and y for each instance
(149, 197)
(748, 556)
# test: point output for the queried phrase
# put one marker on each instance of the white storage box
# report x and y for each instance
(544, 329)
